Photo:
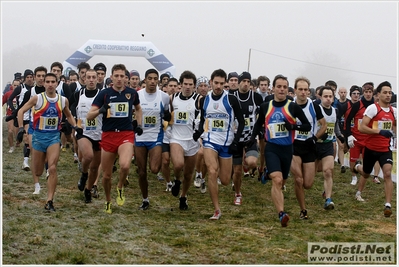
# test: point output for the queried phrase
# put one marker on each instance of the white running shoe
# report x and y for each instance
(203, 187)
(219, 182)
(25, 166)
(238, 200)
(168, 187)
(354, 180)
(376, 180)
(359, 198)
(216, 215)
(197, 181)
(37, 191)
(11, 150)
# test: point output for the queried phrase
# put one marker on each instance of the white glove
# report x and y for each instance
(351, 141)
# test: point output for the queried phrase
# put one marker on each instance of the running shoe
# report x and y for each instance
(80, 166)
(25, 166)
(37, 191)
(303, 215)
(82, 182)
(376, 180)
(11, 150)
(120, 199)
(126, 182)
(87, 196)
(203, 186)
(387, 211)
(238, 199)
(197, 181)
(94, 192)
(343, 169)
(145, 205)
(284, 218)
(219, 182)
(264, 178)
(284, 188)
(232, 185)
(216, 215)
(169, 187)
(108, 208)
(75, 159)
(183, 203)
(133, 160)
(359, 198)
(176, 188)
(63, 149)
(260, 174)
(253, 173)
(329, 204)
(160, 177)
(246, 174)
(50, 207)
(354, 166)
(354, 180)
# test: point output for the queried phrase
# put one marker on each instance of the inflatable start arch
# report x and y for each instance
(119, 48)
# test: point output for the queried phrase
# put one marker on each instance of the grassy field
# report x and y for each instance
(79, 233)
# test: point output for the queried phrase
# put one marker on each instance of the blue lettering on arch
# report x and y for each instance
(77, 57)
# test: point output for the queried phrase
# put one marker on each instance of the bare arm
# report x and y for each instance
(364, 128)
(322, 129)
(68, 114)
(93, 113)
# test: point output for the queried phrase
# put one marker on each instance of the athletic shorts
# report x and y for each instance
(324, 149)
(223, 151)
(306, 152)
(25, 122)
(278, 158)
(30, 129)
(356, 151)
(110, 141)
(66, 128)
(190, 147)
(148, 145)
(41, 141)
(249, 151)
(165, 147)
(94, 143)
(371, 156)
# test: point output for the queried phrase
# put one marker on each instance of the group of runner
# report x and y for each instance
(220, 127)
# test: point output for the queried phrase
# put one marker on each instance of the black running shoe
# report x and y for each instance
(145, 205)
(49, 206)
(176, 188)
(303, 215)
(343, 169)
(87, 196)
(183, 203)
(387, 211)
(82, 182)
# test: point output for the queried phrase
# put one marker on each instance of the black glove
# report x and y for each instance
(167, 116)
(196, 135)
(138, 130)
(311, 141)
(20, 134)
(290, 126)
(342, 139)
(104, 109)
(324, 136)
(233, 148)
(386, 133)
(79, 130)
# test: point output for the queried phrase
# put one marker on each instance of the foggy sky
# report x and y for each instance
(358, 41)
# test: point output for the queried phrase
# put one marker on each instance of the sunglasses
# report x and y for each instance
(355, 93)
